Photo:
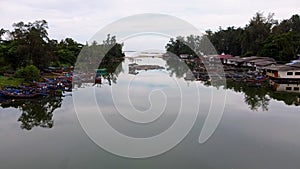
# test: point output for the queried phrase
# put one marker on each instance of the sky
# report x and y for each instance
(80, 20)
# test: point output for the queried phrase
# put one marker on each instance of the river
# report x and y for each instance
(259, 127)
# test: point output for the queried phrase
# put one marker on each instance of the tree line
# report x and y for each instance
(262, 36)
(29, 44)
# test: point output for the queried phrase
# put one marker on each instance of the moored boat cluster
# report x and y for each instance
(48, 86)
(253, 70)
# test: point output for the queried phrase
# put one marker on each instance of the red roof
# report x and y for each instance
(224, 56)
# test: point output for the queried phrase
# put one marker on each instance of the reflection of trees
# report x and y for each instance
(114, 68)
(112, 75)
(255, 97)
(288, 98)
(35, 112)
(256, 100)
(176, 66)
(259, 97)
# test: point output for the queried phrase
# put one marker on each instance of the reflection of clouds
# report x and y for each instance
(151, 79)
(279, 127)
(8, 120)
(138, 90)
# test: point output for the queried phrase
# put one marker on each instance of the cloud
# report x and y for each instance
(82, 19)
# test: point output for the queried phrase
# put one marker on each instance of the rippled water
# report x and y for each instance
(259, 128)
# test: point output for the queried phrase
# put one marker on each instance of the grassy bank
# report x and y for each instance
(10, 81)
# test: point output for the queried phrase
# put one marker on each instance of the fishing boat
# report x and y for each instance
(17, 93)
(258, 79)
(101, 72)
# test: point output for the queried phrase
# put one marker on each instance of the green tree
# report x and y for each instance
(288, 25)
(68, 50)
(114, 49)
(91, 56)
(8, 54)
(182, 46)
(256, 32)
(29, 73)
(32, 39)
(283, 47)
(263, 36)
(2, 32)
(227, 41)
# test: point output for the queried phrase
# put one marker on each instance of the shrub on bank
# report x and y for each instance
(29, 73)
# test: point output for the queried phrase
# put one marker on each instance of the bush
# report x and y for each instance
(248, 54)
(4, 69)
(29, 73)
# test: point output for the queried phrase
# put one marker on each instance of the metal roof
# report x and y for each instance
(282, 68)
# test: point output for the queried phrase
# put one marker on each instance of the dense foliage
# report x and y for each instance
(263, 36)
(96, 55)
(29, 73)
(29, 44)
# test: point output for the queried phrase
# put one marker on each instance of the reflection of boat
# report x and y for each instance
(146, 67)
(257, 82)
(258, 79)
(98, 80)
(133, 68)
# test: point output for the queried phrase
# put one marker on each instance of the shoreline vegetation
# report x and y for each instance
(10, 81)
(262, 36)
(27, 53)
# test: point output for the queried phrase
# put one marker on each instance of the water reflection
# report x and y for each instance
(39, 112)
(107, 73)
(35, 112)
(289, 93)
(243, 139)
(172, 63)
(254, 97)
(259, 97)
(113, 69)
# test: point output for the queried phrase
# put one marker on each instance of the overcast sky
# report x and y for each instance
(80, 19)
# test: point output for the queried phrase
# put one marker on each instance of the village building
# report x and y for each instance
(290, 73)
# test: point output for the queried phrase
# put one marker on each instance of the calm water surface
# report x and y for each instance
(259, 129)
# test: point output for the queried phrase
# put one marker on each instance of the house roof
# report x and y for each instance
(296, 64)
(235, 59)
(264, 63)
(254, 58)
(282, 67)
(224, 56)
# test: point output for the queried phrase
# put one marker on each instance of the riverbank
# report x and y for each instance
(10, 81)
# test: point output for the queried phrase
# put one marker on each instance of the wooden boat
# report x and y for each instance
(16, 93)
(257, 80)
(101, 72)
